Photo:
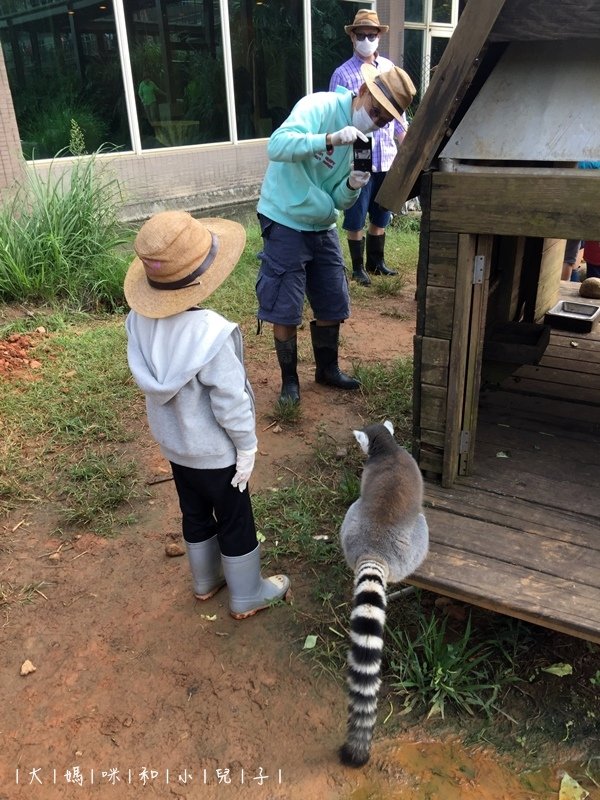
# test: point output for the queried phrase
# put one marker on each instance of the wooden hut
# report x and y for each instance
(506, 408)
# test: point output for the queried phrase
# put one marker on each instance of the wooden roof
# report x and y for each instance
(483, 30)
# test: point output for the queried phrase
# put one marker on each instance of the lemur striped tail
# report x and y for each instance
(367, 622)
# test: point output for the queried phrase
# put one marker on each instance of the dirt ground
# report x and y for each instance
(139, 690)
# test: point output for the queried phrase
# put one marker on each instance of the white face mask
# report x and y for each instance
(366, 48)
(362, 120)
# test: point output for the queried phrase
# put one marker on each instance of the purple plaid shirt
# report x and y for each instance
(349, 75)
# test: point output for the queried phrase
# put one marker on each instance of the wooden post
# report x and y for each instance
(458, 356)
(476, 337)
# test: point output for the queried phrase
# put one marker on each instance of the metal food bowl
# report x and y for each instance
(572, 316)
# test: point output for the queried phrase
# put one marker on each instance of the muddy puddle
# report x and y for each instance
(450, 771)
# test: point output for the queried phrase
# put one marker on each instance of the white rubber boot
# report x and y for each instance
(205, 564)
(249, 592)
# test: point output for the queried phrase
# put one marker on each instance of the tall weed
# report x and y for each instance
(60, 238)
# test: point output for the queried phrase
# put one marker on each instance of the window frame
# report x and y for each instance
(431, 30)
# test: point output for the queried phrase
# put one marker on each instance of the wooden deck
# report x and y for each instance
(521, 535)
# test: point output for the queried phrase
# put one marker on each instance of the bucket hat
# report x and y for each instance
(366, 18)
(393, 89)
(180, 261)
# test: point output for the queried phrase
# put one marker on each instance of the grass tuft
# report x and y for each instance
(61, 240)
(431, 670)
(285, 411)
(24, 595)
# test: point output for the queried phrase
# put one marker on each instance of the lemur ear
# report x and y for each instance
(389, 426)
(363, 440)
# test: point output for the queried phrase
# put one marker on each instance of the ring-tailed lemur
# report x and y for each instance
(384, 537)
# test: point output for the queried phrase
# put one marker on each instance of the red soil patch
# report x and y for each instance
(14, 352)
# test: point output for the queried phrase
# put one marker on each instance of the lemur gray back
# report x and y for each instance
(384, 537)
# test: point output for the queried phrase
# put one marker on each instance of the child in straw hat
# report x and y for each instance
(188, 361)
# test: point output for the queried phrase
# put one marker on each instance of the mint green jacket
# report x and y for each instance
(304, 186)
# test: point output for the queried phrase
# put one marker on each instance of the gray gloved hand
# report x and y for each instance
(358, 179)
(347, 135)
(244, 465)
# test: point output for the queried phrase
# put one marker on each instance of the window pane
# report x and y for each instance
(413, 60)
(331, 45)
(267, 46)
(441, 11)
(413, 11)
(177, 63)
(438, 46)
(63, 64)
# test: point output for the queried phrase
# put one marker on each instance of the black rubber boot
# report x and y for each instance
(287, 355)
(375, 260)
(357, 253)
(325, 341)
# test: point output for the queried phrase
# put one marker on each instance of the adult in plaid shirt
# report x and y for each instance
(365, 32)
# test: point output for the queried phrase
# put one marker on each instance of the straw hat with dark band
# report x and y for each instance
(393, 89)
(365, 18)
(180, 262)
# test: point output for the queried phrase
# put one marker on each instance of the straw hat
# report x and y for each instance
(393, 89)
(180, 262)
(365, 18)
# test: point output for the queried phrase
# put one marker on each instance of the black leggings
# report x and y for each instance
(211, 505)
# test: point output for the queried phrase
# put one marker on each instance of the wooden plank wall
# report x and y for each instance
(432, 347)
(459, 204)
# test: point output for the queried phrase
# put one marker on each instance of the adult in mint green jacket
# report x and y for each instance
(309, 178)
(305, 184)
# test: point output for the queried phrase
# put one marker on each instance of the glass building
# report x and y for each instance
(153, 75)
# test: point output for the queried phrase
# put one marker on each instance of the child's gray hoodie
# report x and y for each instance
(199, 402)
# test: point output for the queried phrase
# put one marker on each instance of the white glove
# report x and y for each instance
(244, 465)
(347, 135)
(358, 179)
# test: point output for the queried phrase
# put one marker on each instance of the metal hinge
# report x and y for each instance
(478, 269)
(465, 441)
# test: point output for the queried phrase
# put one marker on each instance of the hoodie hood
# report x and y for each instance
(165, 354)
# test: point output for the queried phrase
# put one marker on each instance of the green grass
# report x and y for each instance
(83, 384)
(401, 253)
(387, 392)
(97, 485)
(431, 670)
(53, 320)
(64, 429)
(293, 518)
(235, 299)
(61, 241)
